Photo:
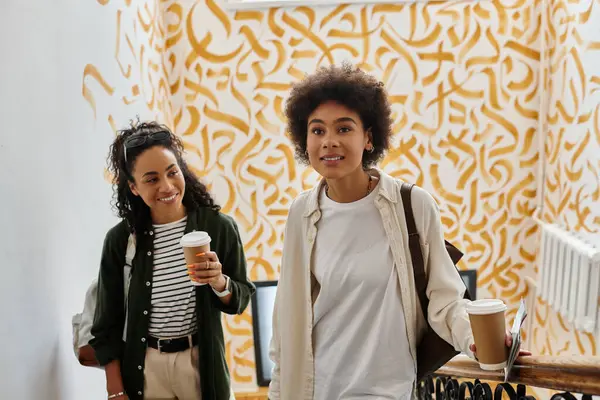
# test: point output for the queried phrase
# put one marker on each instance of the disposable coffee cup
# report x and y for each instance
(194, 243)
(489, 331)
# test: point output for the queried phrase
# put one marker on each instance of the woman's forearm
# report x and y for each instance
(114, 381)
(226, 300)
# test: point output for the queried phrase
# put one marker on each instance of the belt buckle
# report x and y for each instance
(162, 340)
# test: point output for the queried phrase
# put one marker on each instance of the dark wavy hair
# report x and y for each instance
(350, 87)
(131, 207)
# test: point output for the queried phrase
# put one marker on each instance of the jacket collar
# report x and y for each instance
(385, 189)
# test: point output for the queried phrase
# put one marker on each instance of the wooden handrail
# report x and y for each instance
(571, 374)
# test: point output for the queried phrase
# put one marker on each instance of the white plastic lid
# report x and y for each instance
(486, 306)
(194, 239)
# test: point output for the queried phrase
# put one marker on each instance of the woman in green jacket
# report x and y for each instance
(164, 340)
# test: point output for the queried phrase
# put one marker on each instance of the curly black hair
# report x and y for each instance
(132, 208)
(350, 87)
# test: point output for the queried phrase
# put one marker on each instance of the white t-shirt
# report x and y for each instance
(361, 347)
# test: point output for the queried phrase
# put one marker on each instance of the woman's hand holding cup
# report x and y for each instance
(208, 269)
(508, 342)
(492, 340)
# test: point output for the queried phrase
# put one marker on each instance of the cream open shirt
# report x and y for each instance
(291, 345)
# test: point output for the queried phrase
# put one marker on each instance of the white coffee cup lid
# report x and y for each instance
(486, 306)
(194, 239)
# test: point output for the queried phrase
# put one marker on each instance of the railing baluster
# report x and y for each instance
(451, 389)
(522, 393)
(563, 396)
(463, 391)
(440, 386)
(505, 388)
(482, 391)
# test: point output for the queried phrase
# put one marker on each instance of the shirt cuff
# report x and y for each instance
(224, 292)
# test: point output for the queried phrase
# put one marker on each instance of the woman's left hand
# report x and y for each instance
(508, 341)
(208, 269)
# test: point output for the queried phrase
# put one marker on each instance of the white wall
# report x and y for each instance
(54, 201)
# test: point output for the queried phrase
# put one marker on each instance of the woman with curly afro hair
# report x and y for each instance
(347, 317)
(162, 337)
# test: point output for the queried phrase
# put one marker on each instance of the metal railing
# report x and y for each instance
(462, 379)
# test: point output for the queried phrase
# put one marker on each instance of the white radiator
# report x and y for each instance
(569, 278)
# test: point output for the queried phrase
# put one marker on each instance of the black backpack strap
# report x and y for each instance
(415, 248)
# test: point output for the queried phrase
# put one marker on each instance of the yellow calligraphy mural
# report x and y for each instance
(462, 78)
(572, 124)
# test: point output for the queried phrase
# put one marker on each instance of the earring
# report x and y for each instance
(371, 150)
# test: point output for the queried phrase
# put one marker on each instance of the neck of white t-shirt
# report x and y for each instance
(350, 188)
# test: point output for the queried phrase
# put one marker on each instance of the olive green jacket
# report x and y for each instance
(109, 319)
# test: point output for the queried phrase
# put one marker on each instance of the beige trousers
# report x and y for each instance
(172, 376)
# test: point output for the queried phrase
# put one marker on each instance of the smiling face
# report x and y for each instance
(160, 183)
(336, 141)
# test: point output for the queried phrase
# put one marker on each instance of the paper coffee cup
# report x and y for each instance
(194, 243)
(489, 331)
